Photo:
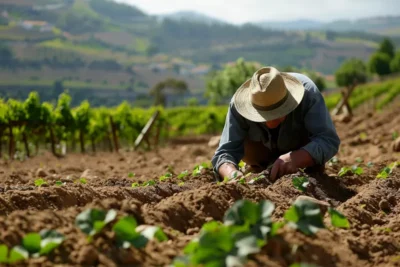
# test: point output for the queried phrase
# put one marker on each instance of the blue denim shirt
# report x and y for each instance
(310, 124)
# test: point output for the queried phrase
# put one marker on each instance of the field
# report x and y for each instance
(48, 193)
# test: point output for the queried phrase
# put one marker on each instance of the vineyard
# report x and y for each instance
(27, 126)
(164, 207)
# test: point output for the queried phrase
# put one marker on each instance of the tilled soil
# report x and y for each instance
(371, 204)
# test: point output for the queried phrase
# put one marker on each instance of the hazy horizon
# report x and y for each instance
(238, 12)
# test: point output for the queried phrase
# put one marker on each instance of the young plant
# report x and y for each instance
(254, 180)
(354, 169)
(242, 180)
(40, 182)
(305, 216)
(83, 180)
(59, 183)
(333, 161)
(92, 221)
(181, 184)
(131, 175)
(135, 184)
(33, 245)
(359, 160)
(128, 233)
(197, 170)
(300, 183)
(149, 183)
(395, 135)
(183, 174)
(165, 177)
(338, 219)
(388, 170)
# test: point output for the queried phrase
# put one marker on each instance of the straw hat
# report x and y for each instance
(268, 95)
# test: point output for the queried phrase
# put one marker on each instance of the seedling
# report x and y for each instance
(165, 177)
(388, 170)
(359, 160)
(127, 233)
(242, 180)
(83, 180)
(370, 164)
(355, 169)
(305, 216)
(149, 183)
(197, 170)
(183, 174)
(92, 221)
(131, 175)
(241, 164)
(333, 161)
(59, 183)
(33, 244)
(135, 185)
(395, 135)
(338, 219)
(40, 182)
(300, 183)
(262, 176)
(181, 184)
(170, 169)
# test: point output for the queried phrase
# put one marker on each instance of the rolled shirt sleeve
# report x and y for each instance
(231, 146)
(324, 142)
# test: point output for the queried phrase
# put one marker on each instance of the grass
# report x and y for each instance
(67, 84)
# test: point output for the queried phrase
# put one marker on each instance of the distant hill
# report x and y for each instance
(191, 16)
(102, 44)
(389, 25)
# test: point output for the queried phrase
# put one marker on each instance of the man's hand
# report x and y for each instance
(290, 163)
(229, 170)
(283, 165)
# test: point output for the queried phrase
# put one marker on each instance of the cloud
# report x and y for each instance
(236, 11)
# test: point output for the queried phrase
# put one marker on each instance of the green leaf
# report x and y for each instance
(3, 254)
(126, 234)
(387, 170)
(300, 183)
(338, 219)
(40, 182)
(359, 160)
(183, 174)
(165, 177)
(305, 216)
(135, 184)
(275, 227)
(92, 221)
(59, 183)
(247, 245)
(149, 183)
(152, 232)
(242, 180)
(241, 164)
(241, 212)
(181, 184)
(343, 171)
(31, 242)
(197, 170)
(131, 175)
(18, 253)
(83, 180)
(357, 170)
(51, 239)
(370, 164)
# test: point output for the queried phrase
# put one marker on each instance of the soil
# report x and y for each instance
(372, 205)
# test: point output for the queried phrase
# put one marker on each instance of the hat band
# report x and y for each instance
(273, 106)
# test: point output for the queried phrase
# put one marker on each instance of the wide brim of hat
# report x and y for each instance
(242, 101)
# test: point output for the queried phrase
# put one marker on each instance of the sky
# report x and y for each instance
(241, 11)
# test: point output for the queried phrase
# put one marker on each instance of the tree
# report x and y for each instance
(349, 75)
(387, 47)
(224, 83)
(395, 64)
(158, 91)
(379, 63)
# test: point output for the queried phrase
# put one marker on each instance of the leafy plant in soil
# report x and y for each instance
(305, 216)
(165, 177)
(338, 219)
(149, 183)
(183, 175)
(128, 233)
(246, 227)
(59, 183)
(135, 184)
(197, 169)
(92, 221)
(33, 245)
(354, 169)
(300, 183)
(40, 182)
(388, 170)
(131, 175)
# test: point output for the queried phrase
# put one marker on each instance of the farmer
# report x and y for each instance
(276, 119)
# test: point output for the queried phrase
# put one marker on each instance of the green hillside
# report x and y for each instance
(70, 40)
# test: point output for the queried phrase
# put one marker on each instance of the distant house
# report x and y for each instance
(42, 26)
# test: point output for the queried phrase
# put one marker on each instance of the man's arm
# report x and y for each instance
(231, 146)
(324, 142)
